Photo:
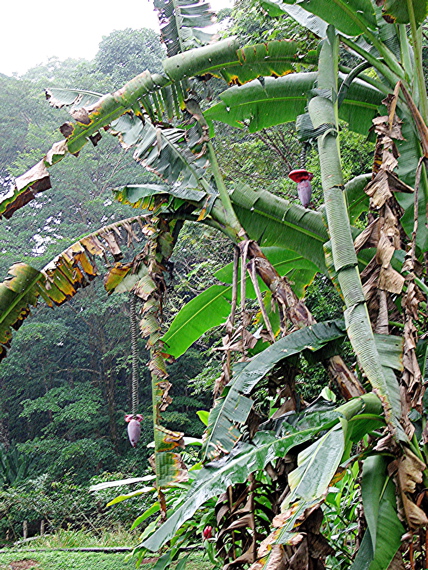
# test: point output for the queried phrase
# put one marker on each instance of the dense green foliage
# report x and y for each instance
(276, 471)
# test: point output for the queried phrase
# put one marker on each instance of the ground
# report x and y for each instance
(81, 561)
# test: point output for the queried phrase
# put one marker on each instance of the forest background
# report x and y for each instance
(66, 386)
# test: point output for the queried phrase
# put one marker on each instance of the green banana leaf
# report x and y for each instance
(121, 498)
(300, 272)
(209, 309)
(273, 221)
(212, 307)
(261, 104)
(402, 12)
(173, 154)
(213, 479)
(356, 199)
(383, 535)
(390, 349)
(156, 95)
(235, 405)
(351, 17)
(310, 479)
(317, 466)
(227, 60)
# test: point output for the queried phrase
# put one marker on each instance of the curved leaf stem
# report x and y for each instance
(387, 71)
(232, 218)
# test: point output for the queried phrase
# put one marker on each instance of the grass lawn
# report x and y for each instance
(80, 561)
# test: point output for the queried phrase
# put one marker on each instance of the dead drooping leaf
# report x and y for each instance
(385, 250)
(390, 280)
(415, 516)
(166, 399)
(110, 238)
(369, 237)
(410, 471)
(409, 474)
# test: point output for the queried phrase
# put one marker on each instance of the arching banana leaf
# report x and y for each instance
(60, 279)
(153, 95)
(270, 220)
(262, 104)
(212, 307)
(227, 60)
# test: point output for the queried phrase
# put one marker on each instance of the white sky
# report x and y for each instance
(33, 31)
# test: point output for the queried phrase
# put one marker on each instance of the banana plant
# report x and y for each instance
(146, 115)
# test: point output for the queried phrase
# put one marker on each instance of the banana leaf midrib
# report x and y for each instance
(362, 104)
(273, 98)
(239, 63)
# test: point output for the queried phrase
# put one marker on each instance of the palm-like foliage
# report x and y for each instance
(193, 188)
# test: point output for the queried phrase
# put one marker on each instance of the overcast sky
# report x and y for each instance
(32, 31)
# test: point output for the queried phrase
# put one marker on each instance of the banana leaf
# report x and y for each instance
(410, 151)
(383, 535)
(61, 278)
(17, 294)
(261, 104)
(235, 405)
(273, 221)
(73, 99)
(227, 60)
(403, 12)
(351, 17)
(212, 307)
(182, 23)
(213, 479)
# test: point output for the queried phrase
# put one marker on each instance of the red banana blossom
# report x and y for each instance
(134, 428)
(304, 187)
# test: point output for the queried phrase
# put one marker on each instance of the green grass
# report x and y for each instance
(84, 561)
(85, 539)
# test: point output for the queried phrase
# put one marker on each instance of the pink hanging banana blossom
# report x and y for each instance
(134, 428)
(304, 187)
